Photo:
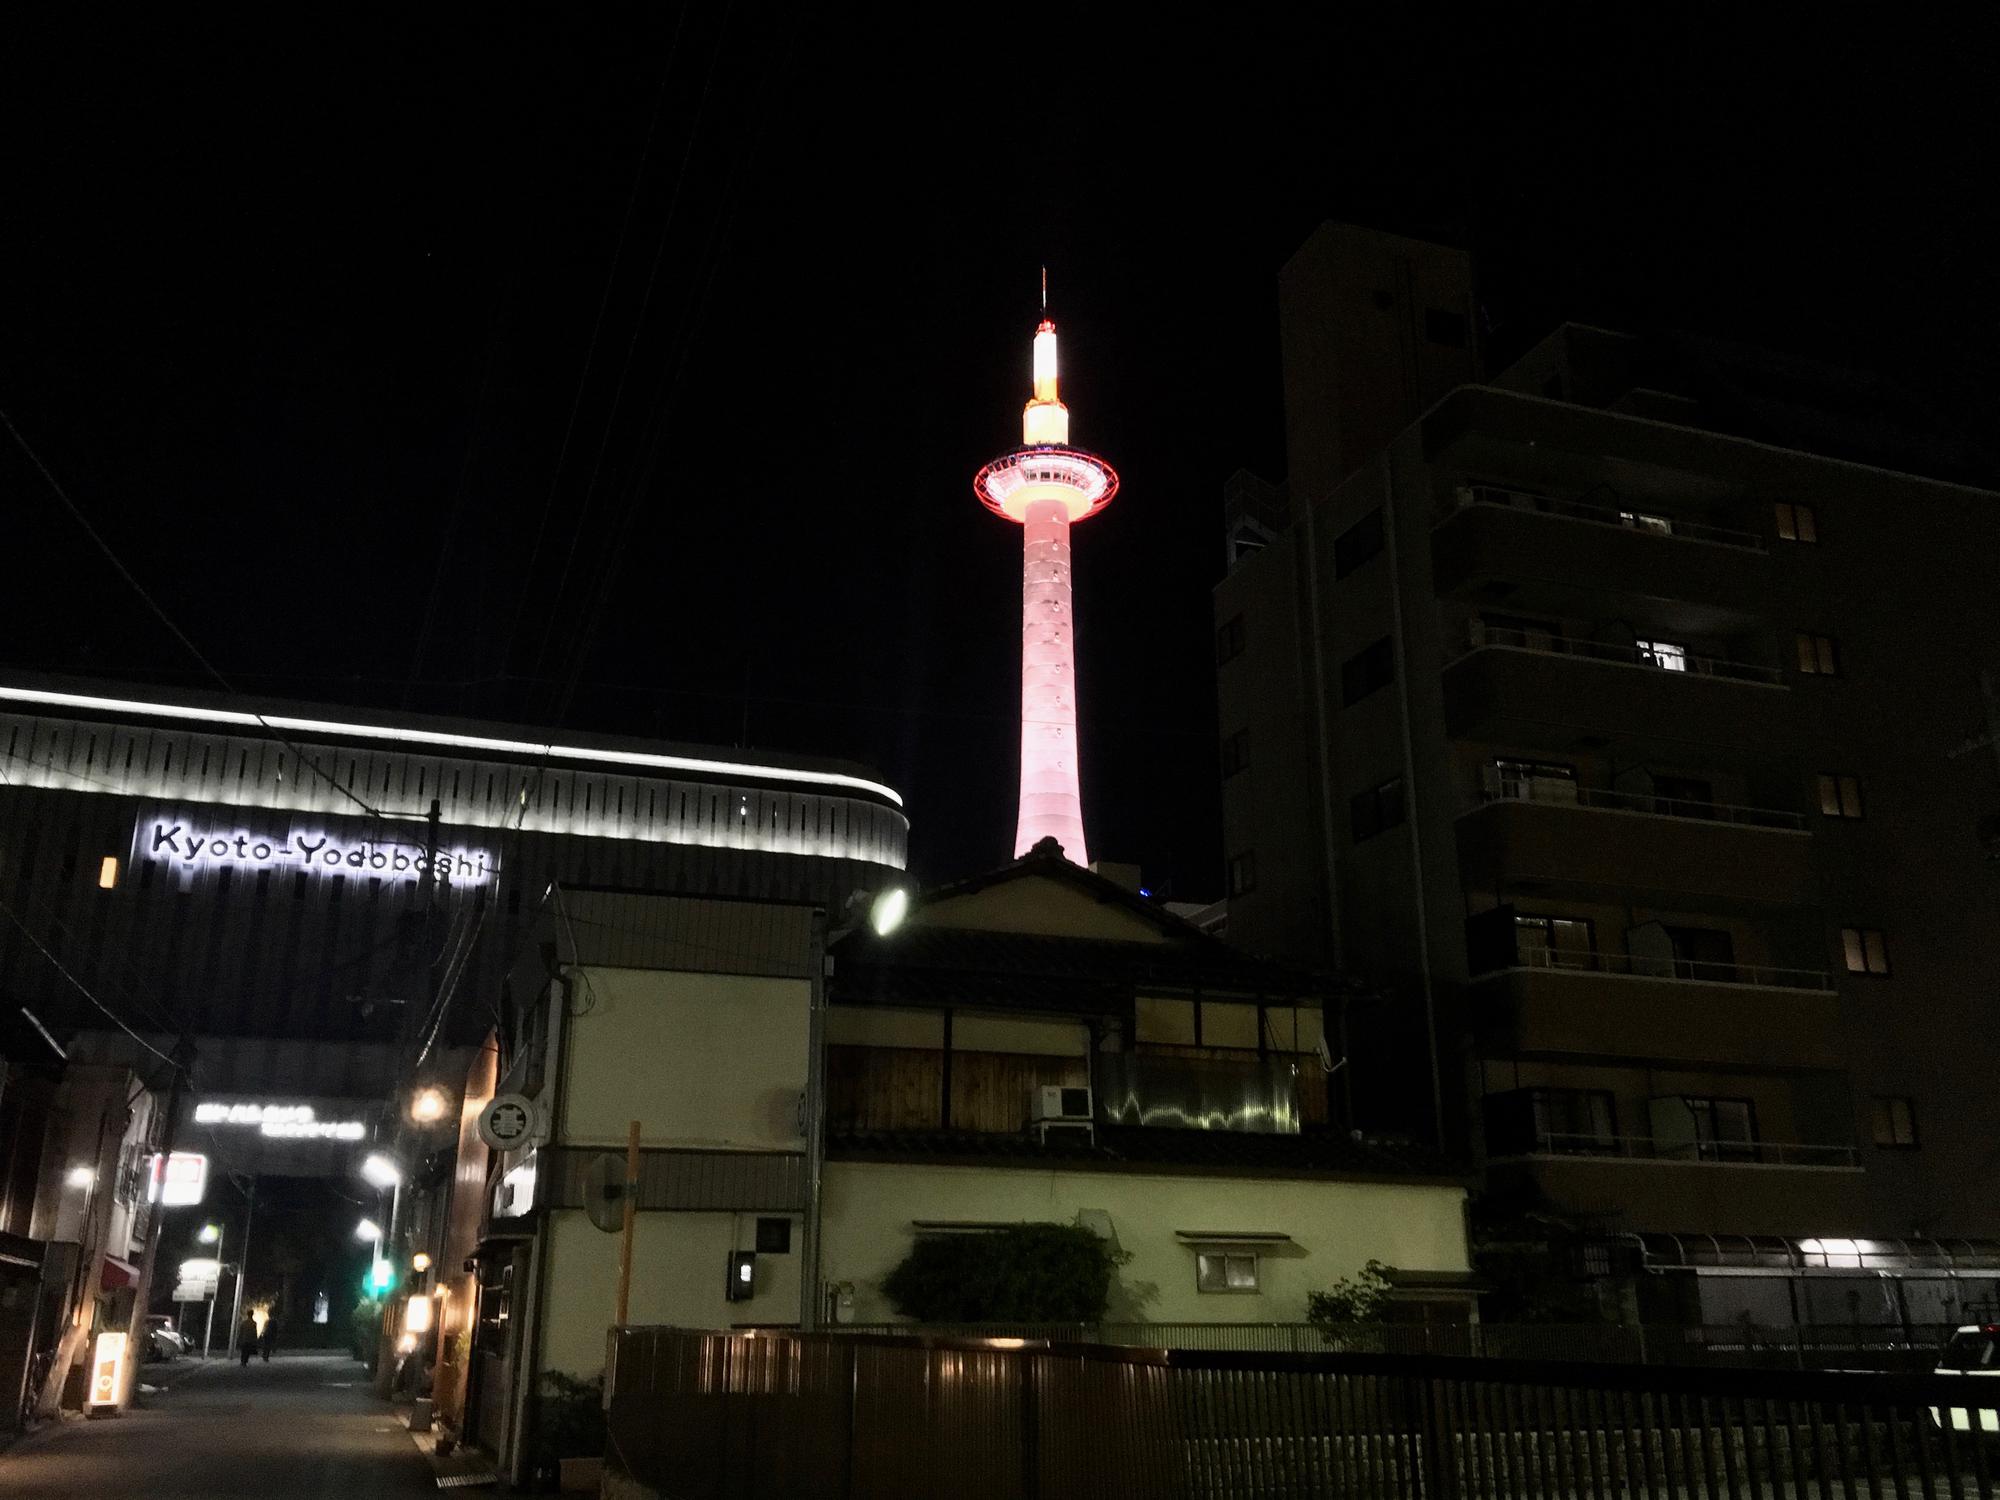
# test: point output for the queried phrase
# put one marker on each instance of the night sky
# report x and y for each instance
(627, 370)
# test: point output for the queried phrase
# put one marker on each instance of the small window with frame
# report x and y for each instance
(1819, 655)
(1225, 1271)
(1796, 523)
(1894, 1122)
(1839, 796)
(1242, 874)
(1864, 950)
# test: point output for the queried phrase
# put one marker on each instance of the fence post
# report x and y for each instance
(1031, 1425)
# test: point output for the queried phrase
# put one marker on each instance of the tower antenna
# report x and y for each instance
(1045, 289)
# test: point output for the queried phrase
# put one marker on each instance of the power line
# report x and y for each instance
(178, 634)
(82, 989)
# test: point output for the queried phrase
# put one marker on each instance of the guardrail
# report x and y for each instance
(1716, 1153)
(742, 1415)
(1634, 518)
(1550, 792)
(1644, 966)
(1672, 662)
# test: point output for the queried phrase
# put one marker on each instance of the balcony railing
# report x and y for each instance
(1552, 791)
(1625, 518)
(1709, 1153)
(1670, 661)
(1646, 966)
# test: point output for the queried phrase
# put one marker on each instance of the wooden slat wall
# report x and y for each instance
(991, 1090)
(883, 1088)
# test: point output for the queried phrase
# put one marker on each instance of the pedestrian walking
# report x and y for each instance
(246, 1338)
(269, 1336)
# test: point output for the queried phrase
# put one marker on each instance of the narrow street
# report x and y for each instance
(304, 1426)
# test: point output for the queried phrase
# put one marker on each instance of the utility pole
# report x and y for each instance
(243, 1262)
(142, 1290)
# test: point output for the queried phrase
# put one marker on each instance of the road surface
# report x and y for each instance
(303, 1427)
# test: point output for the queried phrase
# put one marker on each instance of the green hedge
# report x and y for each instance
(1029, 1273)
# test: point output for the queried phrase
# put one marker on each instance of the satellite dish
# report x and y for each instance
(604, 1192)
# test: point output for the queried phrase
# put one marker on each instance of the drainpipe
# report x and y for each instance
(811, 1293)
(1411, 803)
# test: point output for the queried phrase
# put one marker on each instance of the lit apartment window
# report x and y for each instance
(1554, 942)
(1864, 950)
(1242, 874)
(1376, 809)
(1894, 1121)
(1818, 656)
(1665, 655)
(1796, 523)
(1534, 781)
(1839, 796)
(1368, 669)
(1215, 1271)
(1229, 640)
(1235, 752)
(1638, 520)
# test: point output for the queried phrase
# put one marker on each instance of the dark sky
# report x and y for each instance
(628, 371)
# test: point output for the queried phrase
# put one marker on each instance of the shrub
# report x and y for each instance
(572, 1416)
(1350, 1300)
(1028, 1273)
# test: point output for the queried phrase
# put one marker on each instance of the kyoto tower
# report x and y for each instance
(1046, 485)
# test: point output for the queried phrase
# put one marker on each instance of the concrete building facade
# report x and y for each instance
(1613, 716)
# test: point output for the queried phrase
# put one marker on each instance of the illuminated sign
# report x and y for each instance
(107, 1369)
(178, 1180)
(166, 841)
(285, 1122)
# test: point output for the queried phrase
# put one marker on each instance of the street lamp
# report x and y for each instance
(429, 1105)
(381, 1171)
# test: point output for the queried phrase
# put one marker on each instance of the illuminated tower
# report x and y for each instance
(1046, 485)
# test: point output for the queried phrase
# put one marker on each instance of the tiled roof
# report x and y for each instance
(1309, 1154)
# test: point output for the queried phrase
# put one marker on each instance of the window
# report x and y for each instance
(1372, 811)
(1579, 1121)
(107, 873)
(1639, 520)
(1367, 670)
(774, 1236)
(1865, 950)
(1215, 1271)
(1443, 327)
(1839, 796)
(1229, 640)
(1242, 874)
(1533, 781)
(1818, 656)
(1665, 655)
(1796, 522)
(1235, 752)
(1554, 942)
(1702, 952)
(1895, 1121)
(1724, 1129)
(1358, 543)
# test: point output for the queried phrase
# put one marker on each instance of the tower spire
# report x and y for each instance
(1045, 291)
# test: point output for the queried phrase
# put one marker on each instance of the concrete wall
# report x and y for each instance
(713, 1060)
(1336, 1228)
(680, 1264)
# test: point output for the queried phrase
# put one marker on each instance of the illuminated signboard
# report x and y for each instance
(285, 1122)
(179, 1180)
(186, 845)
(107, 1369)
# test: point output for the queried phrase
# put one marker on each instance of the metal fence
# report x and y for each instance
(1853, 1346)
(741, 1416)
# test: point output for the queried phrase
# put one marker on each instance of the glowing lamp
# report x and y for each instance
(420, 1262)
(80, 1177)
(380, 1171)
(107, 873)
(417, 1315)
(1046, 486)
(429, 1105)
(210, 1234)
(368, 1229)
(886, 914)
(381, 1276)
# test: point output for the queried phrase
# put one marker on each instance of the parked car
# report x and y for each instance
(1973, 1351)
(163, 1340)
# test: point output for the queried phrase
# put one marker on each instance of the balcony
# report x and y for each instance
(1540, 547)
(1568, 840)
(1783, 1190)
(1665, 1011)
(1535, 688)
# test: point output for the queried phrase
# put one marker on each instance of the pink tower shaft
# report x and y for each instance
(1051, 802)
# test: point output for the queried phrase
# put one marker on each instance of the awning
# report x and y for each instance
(118, 1273)
(1777, 1253)
(1252, 1239)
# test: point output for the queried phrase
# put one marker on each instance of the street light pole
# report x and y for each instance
(243, 1260)
(208, 1331)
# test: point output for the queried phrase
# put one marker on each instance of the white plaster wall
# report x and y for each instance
(1337, 1226)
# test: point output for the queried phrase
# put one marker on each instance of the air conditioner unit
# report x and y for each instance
(1057, 1103)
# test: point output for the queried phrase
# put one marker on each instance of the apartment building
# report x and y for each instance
(1621, 717)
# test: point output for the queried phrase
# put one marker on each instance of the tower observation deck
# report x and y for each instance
(1046, 485)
